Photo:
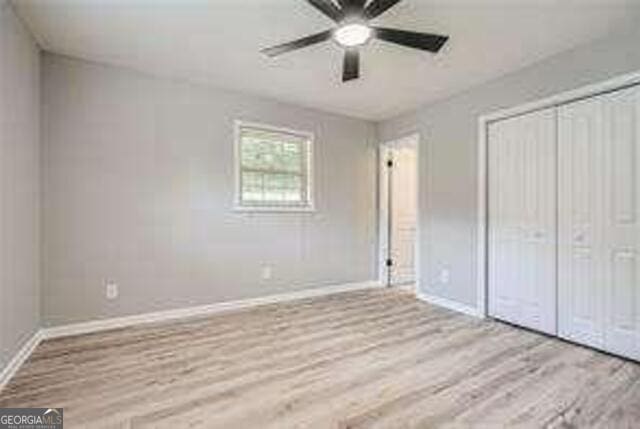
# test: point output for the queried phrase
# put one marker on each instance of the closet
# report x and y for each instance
(522, 222)
(564, 221)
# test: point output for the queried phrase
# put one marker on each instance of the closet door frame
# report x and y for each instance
(482, 239)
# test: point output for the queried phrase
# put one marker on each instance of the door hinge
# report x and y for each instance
(389, 262)
(389, 163)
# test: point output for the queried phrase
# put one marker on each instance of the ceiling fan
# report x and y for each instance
(353, 31)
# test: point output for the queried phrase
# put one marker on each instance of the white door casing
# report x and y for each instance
(522, 220)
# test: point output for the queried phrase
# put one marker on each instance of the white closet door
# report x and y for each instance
(522, 220)
(580, 276)
(599, 212)
(621, 228)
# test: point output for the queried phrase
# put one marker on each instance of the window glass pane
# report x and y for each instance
(260, 187)
(252, 186)
(273, 168)
(271, 155)
(282, 187)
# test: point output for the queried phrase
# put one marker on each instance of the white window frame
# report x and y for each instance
(274, 207)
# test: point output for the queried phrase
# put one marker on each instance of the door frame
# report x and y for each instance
(482, 239)
(384, 218)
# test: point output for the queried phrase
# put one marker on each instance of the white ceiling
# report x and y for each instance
(218, 42)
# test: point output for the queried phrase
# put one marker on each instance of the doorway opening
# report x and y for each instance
(399, 212)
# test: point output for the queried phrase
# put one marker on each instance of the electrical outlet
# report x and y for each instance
(444, 276)
(112, 290)
(267, 272)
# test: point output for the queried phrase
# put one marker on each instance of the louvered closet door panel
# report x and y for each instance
(621, 222)
(580, 277)
(522, 220)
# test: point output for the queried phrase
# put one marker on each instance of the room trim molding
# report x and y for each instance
(20, 357)
(202, 310)
(449, 304)
(482, 240)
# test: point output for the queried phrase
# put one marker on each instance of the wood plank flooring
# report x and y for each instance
(374, 359)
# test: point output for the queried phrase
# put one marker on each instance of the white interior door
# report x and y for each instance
(403, 209)
(622, 222)
(599, 211)
(522, 220)
(580, 276)
(398, 210)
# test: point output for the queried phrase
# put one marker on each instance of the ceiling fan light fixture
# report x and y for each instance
(353, 31)
(351, 35)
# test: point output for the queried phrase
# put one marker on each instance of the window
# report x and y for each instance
(273, 168)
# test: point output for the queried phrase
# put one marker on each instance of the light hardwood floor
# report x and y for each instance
(375, 358)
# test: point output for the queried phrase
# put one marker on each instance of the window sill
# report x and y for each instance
(273, 209)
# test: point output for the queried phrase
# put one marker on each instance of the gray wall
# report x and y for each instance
(448, 156)
(138, 175)
(19, 185)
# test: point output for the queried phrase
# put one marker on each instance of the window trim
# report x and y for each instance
(271, 207)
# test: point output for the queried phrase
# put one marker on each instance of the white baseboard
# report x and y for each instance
(449, 304)
(120, 322)
(20, 357)
(203, 310)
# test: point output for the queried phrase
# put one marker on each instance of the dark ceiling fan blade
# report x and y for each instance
(297, 44)
(328, 8)
(352, 7)
(424, 41)
(351, 65)
(378, 7)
